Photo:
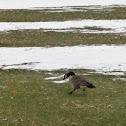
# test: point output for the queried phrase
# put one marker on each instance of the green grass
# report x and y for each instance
(96, 28)
(42, 15)
(29, 38)
(26, 98)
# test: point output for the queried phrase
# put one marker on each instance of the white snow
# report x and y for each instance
(116, 26)
(26, 4)
(93, 8)
(108, 72)
(122, 79)
(95, 57)
(52, 78)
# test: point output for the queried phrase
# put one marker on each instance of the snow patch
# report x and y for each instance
(100, 58)
(52, 78)
(122, 79)
(27, 4)
(109, 26)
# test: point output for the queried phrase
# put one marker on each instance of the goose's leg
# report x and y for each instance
(72, 91)
(84, 91)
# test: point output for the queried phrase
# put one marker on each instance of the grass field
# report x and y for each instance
(43, 15)
(27, 99)
(29, 38)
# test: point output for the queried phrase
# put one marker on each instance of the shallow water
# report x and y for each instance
(84, 26)
(102, 58)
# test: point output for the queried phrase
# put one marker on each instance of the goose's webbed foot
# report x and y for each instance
(72, 91)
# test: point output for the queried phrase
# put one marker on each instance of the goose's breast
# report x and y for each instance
(83, 87)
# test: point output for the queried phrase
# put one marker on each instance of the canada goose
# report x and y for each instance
(78, 81)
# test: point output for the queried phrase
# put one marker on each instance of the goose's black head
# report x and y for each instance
(91, 86)
(68, 74)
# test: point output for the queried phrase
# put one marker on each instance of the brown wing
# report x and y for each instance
(81, 80)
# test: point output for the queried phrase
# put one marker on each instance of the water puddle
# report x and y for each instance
(83, 26)
(102, 58)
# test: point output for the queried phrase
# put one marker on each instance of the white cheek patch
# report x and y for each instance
(66, 76)
(83, 87)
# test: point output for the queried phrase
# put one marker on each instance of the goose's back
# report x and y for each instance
(78, 81)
